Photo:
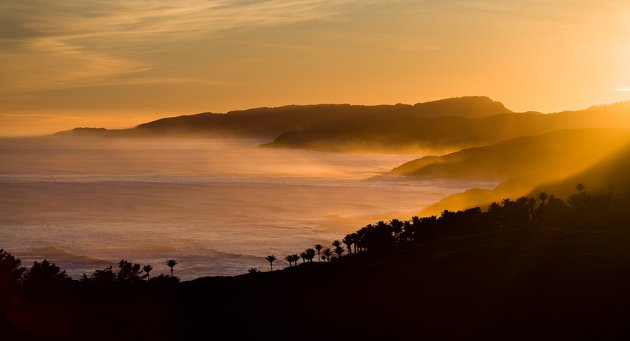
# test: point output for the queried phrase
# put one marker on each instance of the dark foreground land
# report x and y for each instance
(515, 284)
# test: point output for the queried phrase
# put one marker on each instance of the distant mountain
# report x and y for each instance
(84, 132)
(450, 133)
(433, 127)
(269, 123)
(522, 165)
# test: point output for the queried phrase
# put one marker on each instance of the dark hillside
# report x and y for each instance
(515, 284)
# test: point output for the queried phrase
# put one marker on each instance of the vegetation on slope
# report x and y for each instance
(530, 267)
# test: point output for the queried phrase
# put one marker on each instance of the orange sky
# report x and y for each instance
(118, 63)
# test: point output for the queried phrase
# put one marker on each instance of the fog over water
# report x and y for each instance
(217, 207)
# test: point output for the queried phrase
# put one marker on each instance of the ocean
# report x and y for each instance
(218, 207)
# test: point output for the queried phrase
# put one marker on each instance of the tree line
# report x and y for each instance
(581, 211)
(45, 276)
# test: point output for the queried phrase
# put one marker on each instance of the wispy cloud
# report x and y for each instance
(70, 43)
(623, 90)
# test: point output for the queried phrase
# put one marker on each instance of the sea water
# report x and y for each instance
(217, 207)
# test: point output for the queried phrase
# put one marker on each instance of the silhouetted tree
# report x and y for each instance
(339, 251)
(102, 277)
(531, 208)
(318, 248)
(310, 254)
(128, 272)
(271, 259)
(327, 253)
(554, 214)
(164, 280)
(45, 275)
(496, 215)
(289, 258)
(11, 274)
(171, 264)
(407, 231)
(396, 227)
(355, 241)
(579, 206)
(364, 236)
(11, 271)
(147, 270)
(347, 240)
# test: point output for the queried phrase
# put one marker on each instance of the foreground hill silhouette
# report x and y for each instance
(524, 269)
(516, 284)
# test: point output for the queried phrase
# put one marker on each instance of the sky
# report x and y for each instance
(118, 63)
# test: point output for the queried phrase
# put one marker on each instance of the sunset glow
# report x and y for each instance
(119, 63)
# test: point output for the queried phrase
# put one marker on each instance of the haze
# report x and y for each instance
(216, 206)
(118, 63)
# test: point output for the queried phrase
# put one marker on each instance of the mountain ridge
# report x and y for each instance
(441, 126)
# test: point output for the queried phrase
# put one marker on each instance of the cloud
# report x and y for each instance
(623, 90)
(70, 43)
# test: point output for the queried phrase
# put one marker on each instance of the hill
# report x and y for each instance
(449, 133)
(436, 127)
(516, 284)
(524, 164)
(269, 123)
(613, 171)
(554, 154)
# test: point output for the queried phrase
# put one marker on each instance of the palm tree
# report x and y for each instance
(271, 259)
(407, 231)
(348, 241)
(310, 254)
(319, 248)
(289, 259)
(328, 253)
(171, 264)
(336, 243)
(339, 250)
(397, 227)
(147, 269)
